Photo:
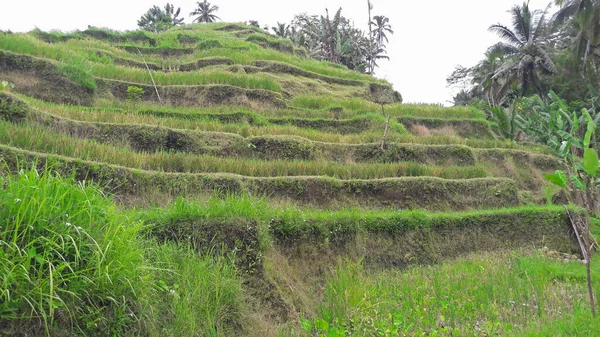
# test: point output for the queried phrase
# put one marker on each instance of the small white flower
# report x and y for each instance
(69, 224)
(18, 200)
(79, 228)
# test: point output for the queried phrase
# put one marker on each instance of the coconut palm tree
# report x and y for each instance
(524, 47)
(584, 15)
(382, 26)
(282, 30)
(205, 12)
(494, 88)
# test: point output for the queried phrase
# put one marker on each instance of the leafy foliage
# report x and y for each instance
(157, 20)
(134, 93)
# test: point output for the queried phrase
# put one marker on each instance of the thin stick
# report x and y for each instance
(585, 251)
(146, 64)
(581, 245)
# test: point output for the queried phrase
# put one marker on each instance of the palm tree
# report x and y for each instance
(205, 12)
(382, 25)
(585, 17)
(282, 30)
(174, 14)
(524, 46)
(493, 88)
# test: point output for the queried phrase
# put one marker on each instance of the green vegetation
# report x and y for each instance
(443, 299)
(70, 262)
(277, 189)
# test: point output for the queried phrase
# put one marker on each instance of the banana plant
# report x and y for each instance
(580, 181)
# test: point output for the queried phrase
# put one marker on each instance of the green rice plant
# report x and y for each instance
(136, 75)
(109, 112)
(78, 68)
(360, 105)
(41, 140)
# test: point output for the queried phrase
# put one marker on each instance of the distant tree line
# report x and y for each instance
(332, 38)
(336, 39)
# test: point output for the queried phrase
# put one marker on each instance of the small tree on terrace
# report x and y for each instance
(384, 94)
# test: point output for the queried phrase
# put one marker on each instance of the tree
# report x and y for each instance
(174, 14)
(382, 26)
(527, 58)
(157, 19)
(205, 12)
(585, 15)
(382, 95)
(370, 66)
(494, 88)
(282, 30)
(253, 23)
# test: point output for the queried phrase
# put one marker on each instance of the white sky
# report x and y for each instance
(431, 37)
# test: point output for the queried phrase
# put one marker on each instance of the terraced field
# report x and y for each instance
(247, 145)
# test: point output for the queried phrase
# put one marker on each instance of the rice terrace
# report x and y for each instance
(200, 177)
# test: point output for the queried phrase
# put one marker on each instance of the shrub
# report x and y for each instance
(134, 94)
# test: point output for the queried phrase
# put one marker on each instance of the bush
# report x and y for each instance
(134, 94)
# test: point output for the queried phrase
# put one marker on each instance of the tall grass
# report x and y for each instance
(40, 140)
(198, 295)
(360, 105)
(486, 294)
(66, 258)
(72, 264)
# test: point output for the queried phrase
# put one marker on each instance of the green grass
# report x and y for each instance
(75, 65)
(360, 105)
(70, 263)
(66, 257)
(108, 112)
(486, 294)
(40, 140)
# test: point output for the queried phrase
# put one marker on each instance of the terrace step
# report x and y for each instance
(466, 128)
(381, 238)
(400, 193)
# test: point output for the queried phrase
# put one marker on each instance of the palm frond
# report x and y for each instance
(506, 34)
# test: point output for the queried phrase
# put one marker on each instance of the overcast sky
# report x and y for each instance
(431, 37)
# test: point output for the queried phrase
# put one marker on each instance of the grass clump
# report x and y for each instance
(71, 263)
(66, 260)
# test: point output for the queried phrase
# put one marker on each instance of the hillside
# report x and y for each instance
(257, 176)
